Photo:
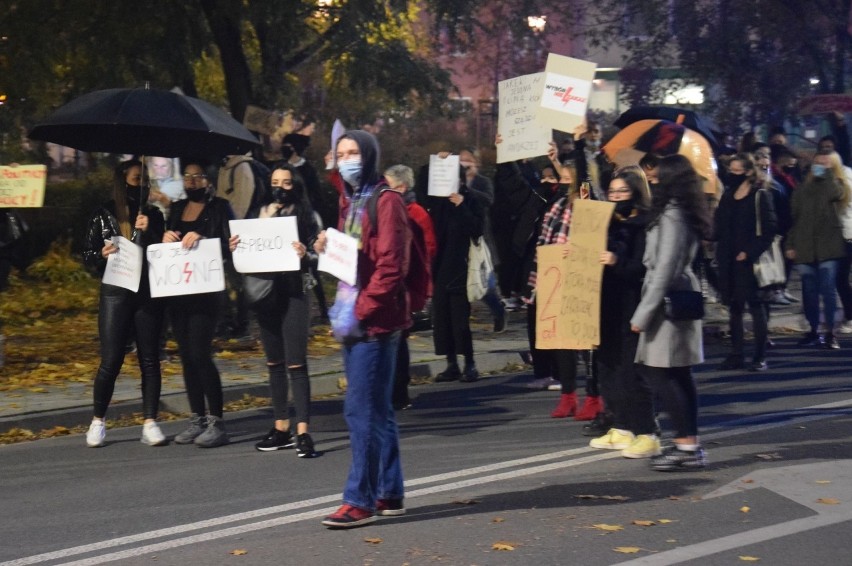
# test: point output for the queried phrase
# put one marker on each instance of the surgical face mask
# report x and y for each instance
(818, 170)
(350, 170)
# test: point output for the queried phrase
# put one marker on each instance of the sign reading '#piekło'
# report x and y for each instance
(175, 270)
(566, 91)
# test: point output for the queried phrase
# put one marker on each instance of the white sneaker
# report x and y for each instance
(844, 327)
(152, 435)
(543, 383)
(96, 434)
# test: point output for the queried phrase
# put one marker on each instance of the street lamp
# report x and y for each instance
(537, 23)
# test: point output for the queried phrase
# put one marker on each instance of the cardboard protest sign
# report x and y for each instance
(22, 186)
(175, 270)
(340, 257)
(522, 135)
(443, 175)
(568, 282)
(124, 268)
(565, 93)
(266, 245)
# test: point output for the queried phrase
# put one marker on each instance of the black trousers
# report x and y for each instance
(759, 316)
(626, 395)
(675, 388)
(451, 324)
(122, 314)
(194, 323)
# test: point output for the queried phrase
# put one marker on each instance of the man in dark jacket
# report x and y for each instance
(375, 484)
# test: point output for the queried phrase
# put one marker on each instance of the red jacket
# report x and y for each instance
(383, 257)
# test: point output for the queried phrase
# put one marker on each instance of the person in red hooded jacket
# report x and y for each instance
(381, 312)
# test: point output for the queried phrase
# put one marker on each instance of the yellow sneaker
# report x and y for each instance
(643, 446)
(615, 439)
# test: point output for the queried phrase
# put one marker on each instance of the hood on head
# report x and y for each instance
(369, 147)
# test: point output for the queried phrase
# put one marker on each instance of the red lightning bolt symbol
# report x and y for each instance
(188, 271)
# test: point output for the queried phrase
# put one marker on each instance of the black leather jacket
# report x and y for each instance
(104, 225)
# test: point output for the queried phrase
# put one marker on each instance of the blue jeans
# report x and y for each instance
(376, 472)
(492, 298)
(819, 279)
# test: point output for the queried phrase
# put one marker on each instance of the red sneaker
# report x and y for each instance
(349, 516)
(591, 407)
(390, 507)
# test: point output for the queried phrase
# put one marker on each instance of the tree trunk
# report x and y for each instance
(225, 21)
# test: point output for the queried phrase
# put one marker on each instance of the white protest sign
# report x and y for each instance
(175, 270)
(22, 186)
(565, 93)
(266, 245)
(443, 175)
(340, 257)
(124, 267)
(522, 136)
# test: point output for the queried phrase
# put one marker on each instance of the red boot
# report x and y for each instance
(567, 406)
(592, 405)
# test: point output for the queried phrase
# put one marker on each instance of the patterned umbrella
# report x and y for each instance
(662, 137)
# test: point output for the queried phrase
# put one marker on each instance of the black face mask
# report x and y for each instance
(196, 195)
(134, 193)
(283, 196)
(736, 180)
(286, 152)
(624, 207)
(564, 156)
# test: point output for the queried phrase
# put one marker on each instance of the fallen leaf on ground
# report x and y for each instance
(373, 540)
(498, 520)
(823, 481)
(749, 558)
(239, 552)
(644, 523)
(745, 509)
(465, 502)
(503, 545)
(828, 501)
(748, 481)
(665, 521)
(773, 456)
(605, 527)
(627, 549)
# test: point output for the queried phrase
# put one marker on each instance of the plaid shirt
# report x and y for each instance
(554, 229)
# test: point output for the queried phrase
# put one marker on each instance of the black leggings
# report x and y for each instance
(759, 316)
(284, 326)
(122, 314)
(194, 323)
(675, 387)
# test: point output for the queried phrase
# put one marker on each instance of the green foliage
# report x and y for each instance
(57, 265)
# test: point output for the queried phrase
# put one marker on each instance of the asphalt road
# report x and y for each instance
(486, 468)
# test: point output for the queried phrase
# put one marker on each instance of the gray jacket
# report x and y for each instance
(669, 251)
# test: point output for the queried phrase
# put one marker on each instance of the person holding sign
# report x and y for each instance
(458, 219)
(628, 399)
(668, 348)
(381, 308)
(284, 317)
(194, 317)
(123, 313)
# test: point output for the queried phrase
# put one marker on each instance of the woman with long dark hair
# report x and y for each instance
(284, 317)
(742, 206)
(628, 399)
(667, 348)
(123, 314)
(200, 215)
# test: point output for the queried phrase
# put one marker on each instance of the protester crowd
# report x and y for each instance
(673, 239)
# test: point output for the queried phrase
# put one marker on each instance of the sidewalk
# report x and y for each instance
(70, 404)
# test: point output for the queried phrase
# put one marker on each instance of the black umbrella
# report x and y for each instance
(687, 118)
(145, 121)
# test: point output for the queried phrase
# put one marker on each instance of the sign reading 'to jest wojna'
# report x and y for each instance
(175, 270)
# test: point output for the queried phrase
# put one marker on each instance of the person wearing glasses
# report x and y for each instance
(121, 312)
(194, 317)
